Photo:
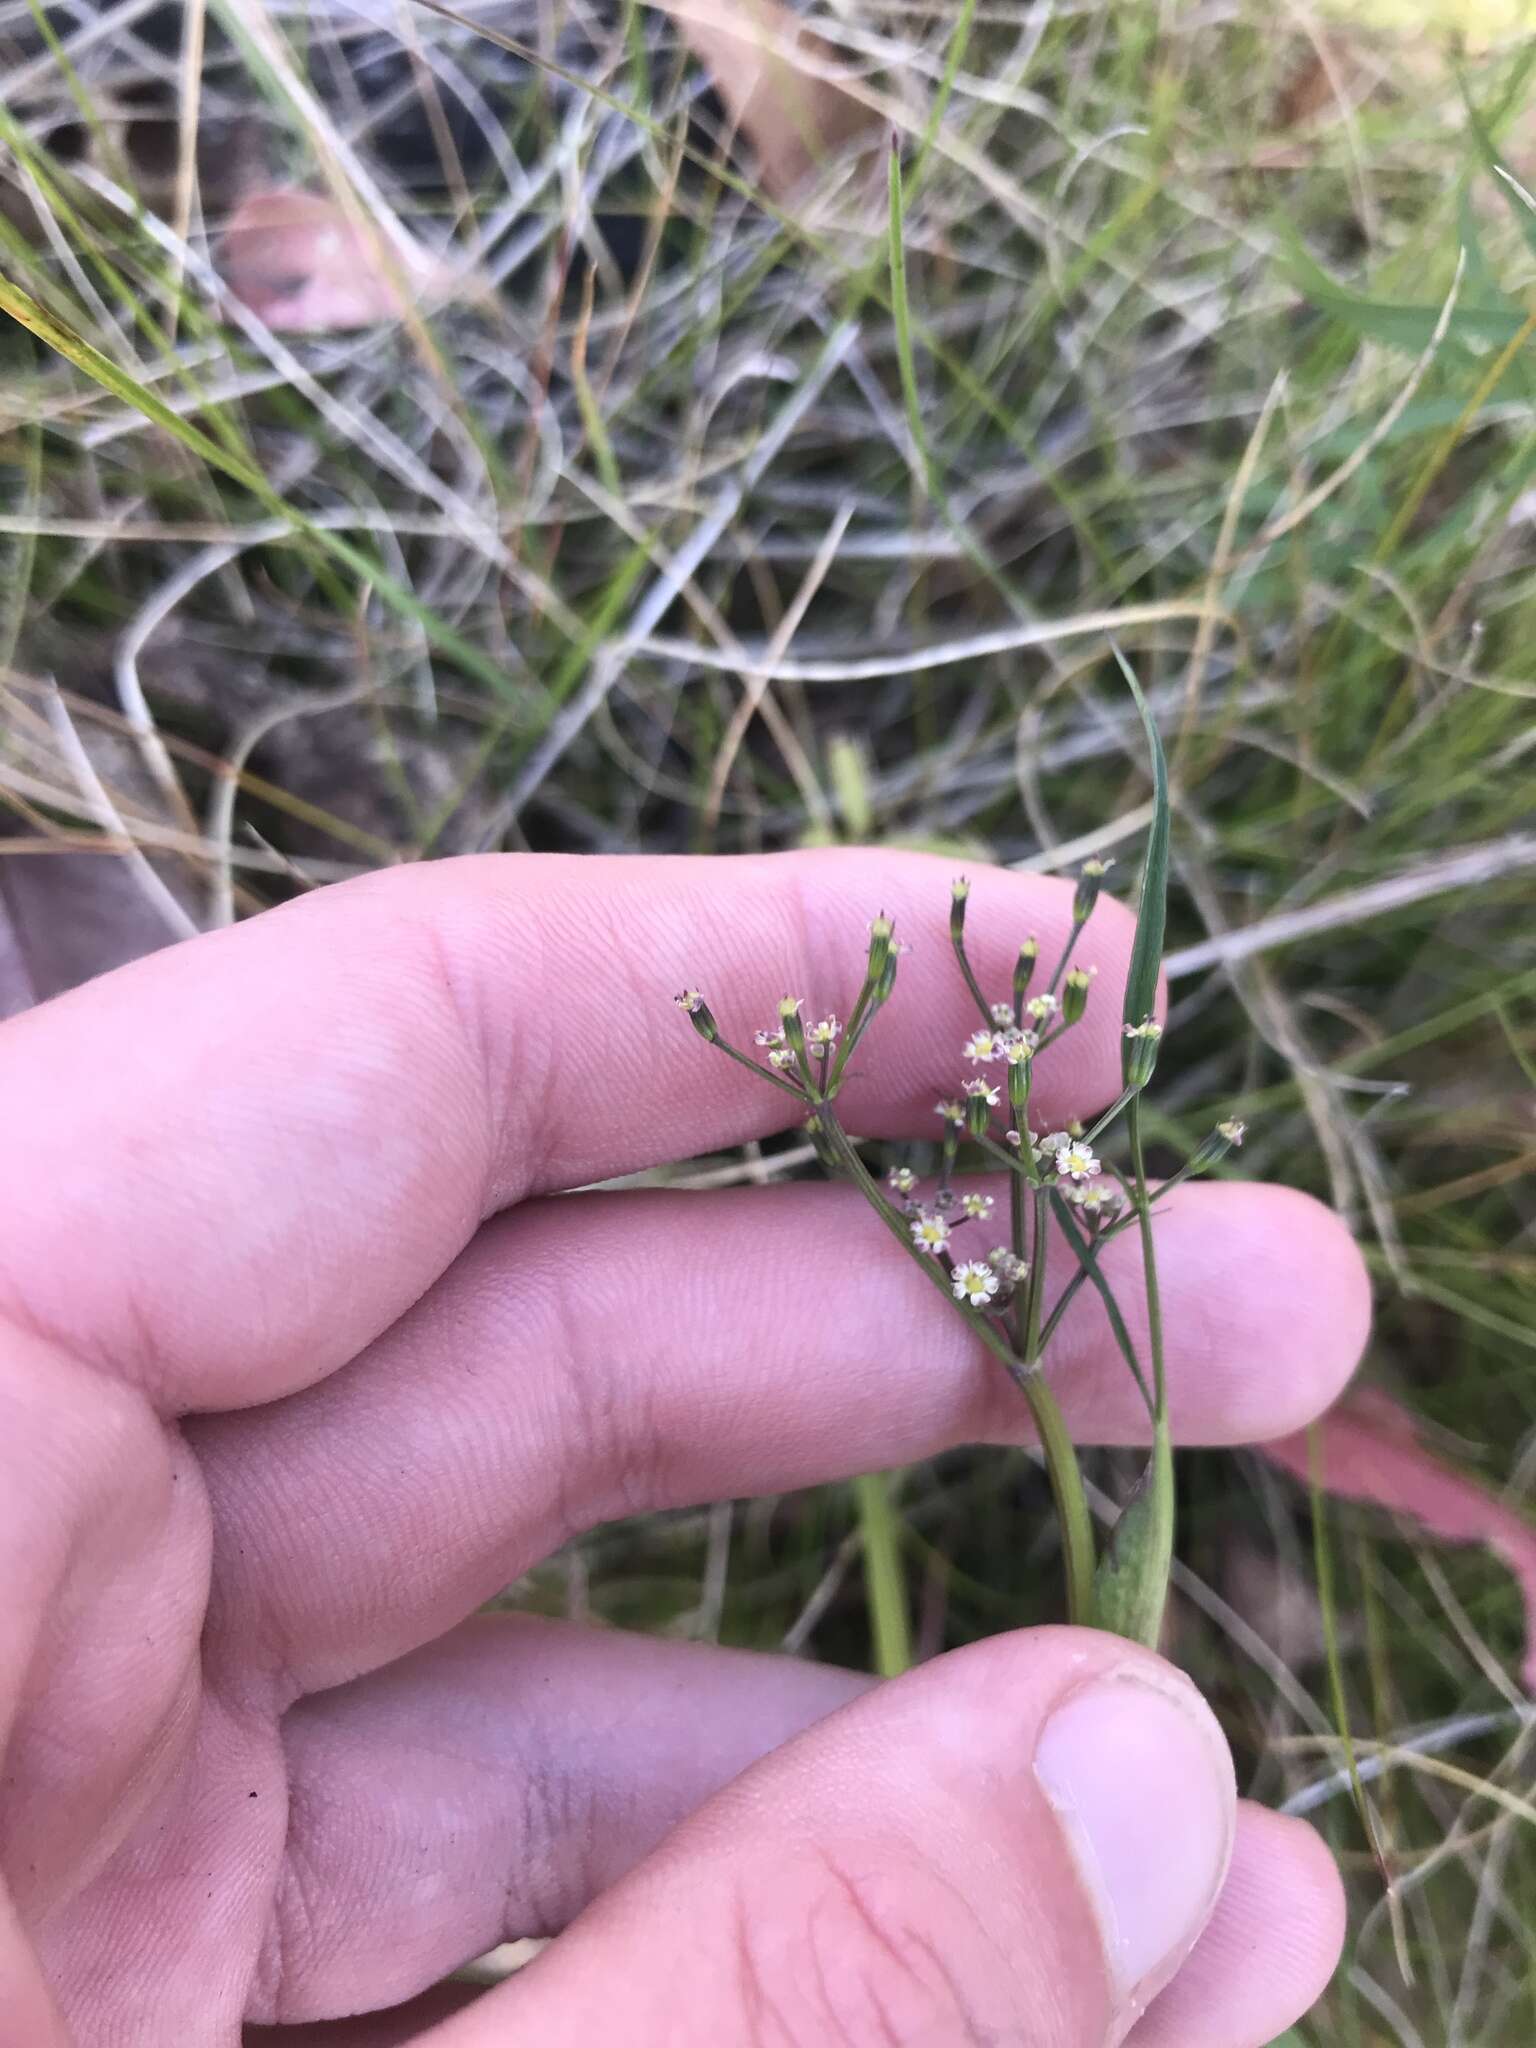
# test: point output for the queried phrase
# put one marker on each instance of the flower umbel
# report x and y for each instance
(1012, 1308)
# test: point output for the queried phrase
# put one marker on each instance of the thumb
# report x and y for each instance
(1019, 1842)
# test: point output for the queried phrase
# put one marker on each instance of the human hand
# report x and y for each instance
(298, 1366)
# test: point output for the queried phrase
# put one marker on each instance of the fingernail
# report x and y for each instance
(1139, 1775)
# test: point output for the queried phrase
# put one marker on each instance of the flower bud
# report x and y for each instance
(1140, 1051)
(697, 1011)
(959, 893)
(1090, 880)
(1024, 969)
(1074, 993)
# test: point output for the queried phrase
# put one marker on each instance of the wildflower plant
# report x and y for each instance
(1069, 1179)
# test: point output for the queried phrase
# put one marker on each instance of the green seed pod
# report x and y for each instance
(1090, 880)
(1024, 969)
(978, 1114)
(1074, 993)
(1020, 1071)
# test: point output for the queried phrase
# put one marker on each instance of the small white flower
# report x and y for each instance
(1042, 1006)
(930, 1233)
(977, 1205)
(1148, 1028)
(984, 1090)
(783, 1057)
(824, 1033)
(690, 1001)
(981, 1047)
(1075, 1161)
(1096, 867)
(1002, 1016)
(1019, 1046)
(1233, 1130)
(974, 1282)
(1097, 1198)
(951, 1112)
(769, 1037)
(1044, 1147)
(1007, 1265)
(902, 1179)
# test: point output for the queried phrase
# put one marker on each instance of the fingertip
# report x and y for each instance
(1317, 1295)
(1271, 1301)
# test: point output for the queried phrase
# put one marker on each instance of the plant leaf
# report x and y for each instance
(1403, 327)
(1152, 908)
(1131, 1584)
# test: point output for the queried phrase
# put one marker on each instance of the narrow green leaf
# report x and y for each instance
(1130, 1586)
(1402, 327)
(1087, 1257)
(1152, 909)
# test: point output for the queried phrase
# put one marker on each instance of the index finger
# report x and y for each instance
(235, 1163)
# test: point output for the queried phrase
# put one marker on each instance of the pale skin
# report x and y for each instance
(303, 1355)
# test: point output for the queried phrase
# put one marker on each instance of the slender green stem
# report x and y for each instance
(1064, 1301)
(884, 1581)
(1120, 1102)
(1037, 1264)
(1066, 1477)
(971, 982)
(762, 1073)
(1016, 1243)
(1061, 965)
